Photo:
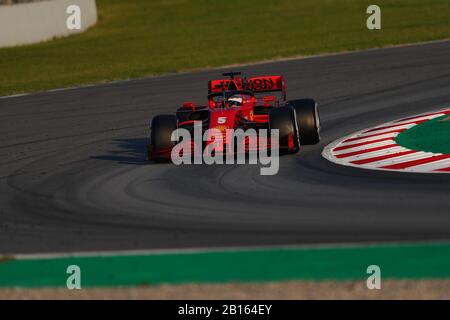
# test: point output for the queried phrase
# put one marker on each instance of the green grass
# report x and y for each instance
(136, 38)
(430, 136)
(413, 261)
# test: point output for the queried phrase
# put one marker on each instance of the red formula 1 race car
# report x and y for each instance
(241, 103)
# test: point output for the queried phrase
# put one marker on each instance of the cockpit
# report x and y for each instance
(230, 99)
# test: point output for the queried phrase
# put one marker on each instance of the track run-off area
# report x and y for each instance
(74, 175)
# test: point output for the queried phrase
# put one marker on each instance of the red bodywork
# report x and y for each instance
(264, 92)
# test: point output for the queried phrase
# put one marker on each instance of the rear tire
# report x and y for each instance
(283, 119)
(308, 120)
(161, 129)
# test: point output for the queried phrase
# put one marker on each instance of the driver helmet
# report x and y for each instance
(235, 100)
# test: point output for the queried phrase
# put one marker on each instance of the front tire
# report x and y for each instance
(308, 120)
(161, 129)
(283, 119)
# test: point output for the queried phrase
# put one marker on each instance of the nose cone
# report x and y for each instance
(220, 121)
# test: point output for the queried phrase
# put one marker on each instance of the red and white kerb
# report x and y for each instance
(376, 149)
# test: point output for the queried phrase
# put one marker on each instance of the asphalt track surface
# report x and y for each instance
(74, 175)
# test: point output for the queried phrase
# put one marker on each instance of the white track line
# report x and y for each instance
(324, 246)
(364, 147)
(405, 158)
(369, 155)
(422, 118)
(435, 165)
(383, 136)
(383, 130)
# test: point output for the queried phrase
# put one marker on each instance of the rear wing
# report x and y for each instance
(256, 84)
(266, 84)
